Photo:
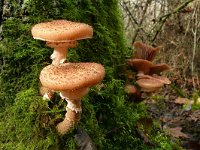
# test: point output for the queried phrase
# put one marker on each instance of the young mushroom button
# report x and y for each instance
(61, 35)
(73, 81)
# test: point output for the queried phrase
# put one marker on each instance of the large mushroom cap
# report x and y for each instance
(140, 65)
(71, 76)
(61, 31)
(158, 68)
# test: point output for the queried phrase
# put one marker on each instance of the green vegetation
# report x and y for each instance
(28, 122)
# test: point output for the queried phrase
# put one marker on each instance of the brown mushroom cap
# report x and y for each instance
(71, 76)
(162, 79)
(149, 85)
(61, 31)
(140, 65)
(144, 51)
(157, 68)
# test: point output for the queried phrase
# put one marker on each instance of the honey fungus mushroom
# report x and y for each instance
(73, 81)
(149, 85)
(144, 51)
(141, 65)
(61, 35)
(158, 68)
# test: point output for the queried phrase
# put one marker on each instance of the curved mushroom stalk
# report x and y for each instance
(60, 51)
(71, 119)
(73, 108)
(73, 80)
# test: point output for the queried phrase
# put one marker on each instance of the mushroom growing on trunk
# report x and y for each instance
(144, 51)
(140, 65)
(158, 68)
(73, 80)
(61, 35)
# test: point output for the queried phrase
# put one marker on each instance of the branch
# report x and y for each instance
(141, 21)
(163, 18)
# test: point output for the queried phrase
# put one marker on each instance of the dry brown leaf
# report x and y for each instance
(181, 100)
(175, 132)
(195, 115)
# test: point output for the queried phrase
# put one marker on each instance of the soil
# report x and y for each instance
(179, 122)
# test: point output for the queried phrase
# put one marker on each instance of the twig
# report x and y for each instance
(163, 18)
(194, 31)
(129, 12)
(141, 21)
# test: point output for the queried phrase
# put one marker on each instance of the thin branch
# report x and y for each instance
(141, 21)
(163, 18)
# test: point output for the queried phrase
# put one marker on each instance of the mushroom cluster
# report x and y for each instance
(148, 73)
(72, 80)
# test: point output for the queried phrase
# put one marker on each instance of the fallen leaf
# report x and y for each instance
(195, 115)
(181, 100)
(175, 132)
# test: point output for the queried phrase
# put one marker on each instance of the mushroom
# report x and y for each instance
(144, 51)
(130, 89)
(149, 85)
(141, 65)
(61, 35)
(158, 68)
(162, 79)
(73, 81)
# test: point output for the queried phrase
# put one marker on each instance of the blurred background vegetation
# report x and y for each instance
(173, 24)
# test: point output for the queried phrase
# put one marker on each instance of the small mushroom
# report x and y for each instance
(141, 65)
(130, 89)
(158, 68)
(61, 35)
(73, 81)
(149, 85)
(144, 51)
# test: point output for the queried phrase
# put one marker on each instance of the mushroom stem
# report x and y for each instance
(59, 55)
(60, 51)
(73, 108)
(71, 119)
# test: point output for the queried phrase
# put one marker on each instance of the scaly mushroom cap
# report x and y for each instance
(144, 51)
(71, 76)
(141, 65)
(149, 85)
(61, 31)
(158, 68)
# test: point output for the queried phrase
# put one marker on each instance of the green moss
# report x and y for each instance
(27, 121)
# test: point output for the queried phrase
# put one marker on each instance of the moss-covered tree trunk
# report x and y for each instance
(28, 122)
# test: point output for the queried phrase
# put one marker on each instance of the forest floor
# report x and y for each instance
(176, 116)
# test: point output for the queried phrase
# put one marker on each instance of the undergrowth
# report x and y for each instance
(28, 122)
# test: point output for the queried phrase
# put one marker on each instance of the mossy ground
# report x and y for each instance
(28, 122)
